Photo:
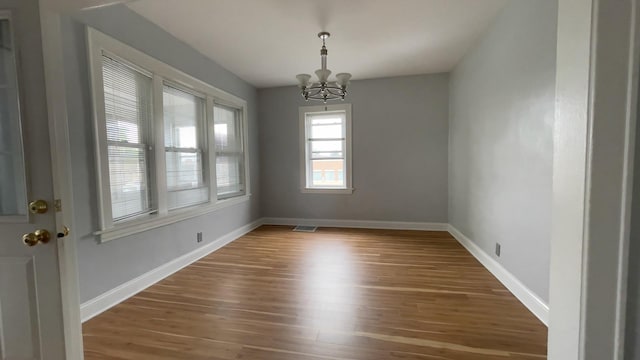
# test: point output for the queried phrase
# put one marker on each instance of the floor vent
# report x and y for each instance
(304, 228)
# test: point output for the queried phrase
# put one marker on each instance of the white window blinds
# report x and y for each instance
(127, 101)
(325, 150)
(183, 139)
(229, 152)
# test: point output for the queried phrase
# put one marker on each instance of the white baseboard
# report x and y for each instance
(366, 224)
(119, 294)
(527, 297)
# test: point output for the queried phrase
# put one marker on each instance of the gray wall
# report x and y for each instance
(399, 152)
(105, 266)
(500, 140)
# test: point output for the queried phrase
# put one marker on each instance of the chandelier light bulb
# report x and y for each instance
(323, 75)
(303, 80)
(343, 79)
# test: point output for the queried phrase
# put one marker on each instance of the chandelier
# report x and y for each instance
(323, 89)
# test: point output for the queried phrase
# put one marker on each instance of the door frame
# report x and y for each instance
(594, 143)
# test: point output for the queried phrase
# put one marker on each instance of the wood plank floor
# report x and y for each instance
(334, 294)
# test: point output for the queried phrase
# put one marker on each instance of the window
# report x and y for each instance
(326, 148)
(127, 107)
(229, 151)
(184, 148)
(167, 149)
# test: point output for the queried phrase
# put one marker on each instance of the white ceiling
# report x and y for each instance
(268, 42)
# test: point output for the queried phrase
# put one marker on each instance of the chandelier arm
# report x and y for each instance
(313, 94)
(336, 88)
(331, 92)
(321, 95)
(327, 99)
(336, 91)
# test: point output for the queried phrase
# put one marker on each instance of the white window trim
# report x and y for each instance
(202, 140)
(157, 220)
(99, 43)
(302, 111)
(229, 195)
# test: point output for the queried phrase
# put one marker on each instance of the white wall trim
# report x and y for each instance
(107, 300)
(527, 297)
(154, 221)
(366, 224)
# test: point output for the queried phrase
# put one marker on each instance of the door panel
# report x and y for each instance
(19, 335)
(31, 320)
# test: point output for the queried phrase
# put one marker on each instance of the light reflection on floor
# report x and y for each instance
(329, 280)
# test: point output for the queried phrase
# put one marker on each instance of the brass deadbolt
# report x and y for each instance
(38, 207)
(65, 232)
(36, 237)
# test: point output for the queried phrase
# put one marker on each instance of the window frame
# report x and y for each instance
(201, 140)
(242, 152)
(305, 160)
(147, 138)
(99, 43)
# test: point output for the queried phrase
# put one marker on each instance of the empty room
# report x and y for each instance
(318, 180)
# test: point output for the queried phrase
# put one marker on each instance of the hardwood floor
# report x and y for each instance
(350, 294)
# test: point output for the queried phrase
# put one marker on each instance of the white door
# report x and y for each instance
(31, 318)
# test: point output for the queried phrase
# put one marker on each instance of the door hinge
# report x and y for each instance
(57, 204)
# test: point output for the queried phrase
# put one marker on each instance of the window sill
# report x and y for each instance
(326, 191)
(155, 221)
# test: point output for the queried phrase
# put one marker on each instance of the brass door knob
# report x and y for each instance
(36, 237)
(38, 207)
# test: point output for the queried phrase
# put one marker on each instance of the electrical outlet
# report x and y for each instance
(498, 249)
(199, 237)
